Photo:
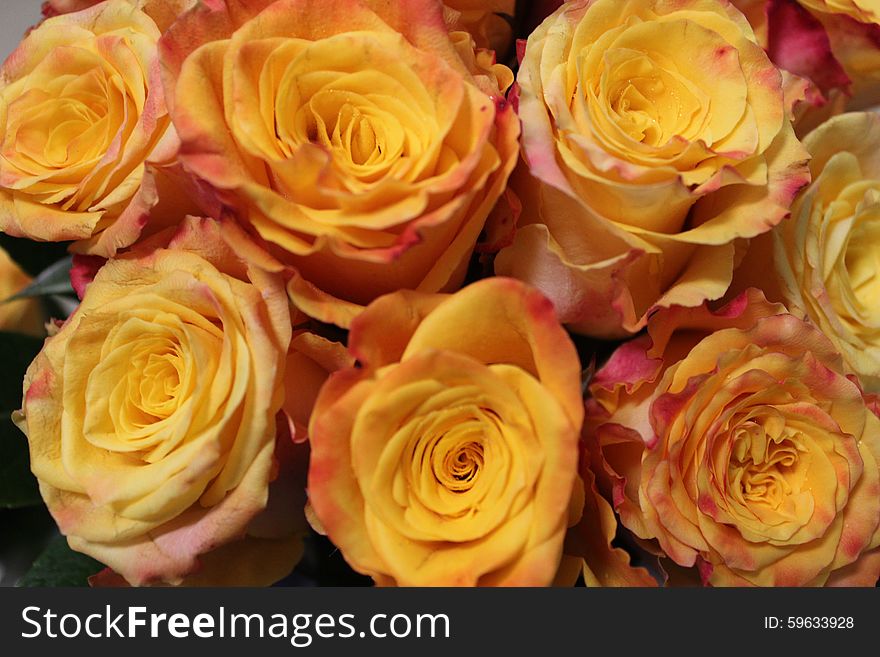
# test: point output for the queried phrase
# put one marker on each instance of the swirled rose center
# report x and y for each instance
(352, 131)
(159, 385)
(460, 466)
(761, 466)
(58, 129)
(78, 109)
(140, 394)
(456, 453)
(650, 103)
(355, 96)
(667, 91)
(445, 449)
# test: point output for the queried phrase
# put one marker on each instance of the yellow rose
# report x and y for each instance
(152, 417)
(736, 440)
(656, 137)
(826, 255)
(86, 144)
(355, 137)
(449, 457)
(24, 315)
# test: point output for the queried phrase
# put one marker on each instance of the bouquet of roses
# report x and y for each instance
(475, 292)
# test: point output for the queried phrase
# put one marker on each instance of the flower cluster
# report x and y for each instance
(342, 268)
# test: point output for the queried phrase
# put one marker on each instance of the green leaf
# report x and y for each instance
(18, 487)
(60, 566)
(55, 279)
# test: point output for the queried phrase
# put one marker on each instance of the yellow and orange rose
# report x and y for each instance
(737, 442)
(827, 255)
(86, 144)
(449, 456)
(361, 143)
(152, 416)
(657, 138)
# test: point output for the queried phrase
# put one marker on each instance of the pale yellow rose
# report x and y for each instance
(86, 144)
(159, 417)
(656, 138)
(827, 255)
